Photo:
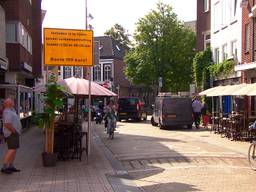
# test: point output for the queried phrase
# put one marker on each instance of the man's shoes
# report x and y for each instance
(6, 171)
(13, 169)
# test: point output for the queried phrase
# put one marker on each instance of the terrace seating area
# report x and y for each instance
(234, 126)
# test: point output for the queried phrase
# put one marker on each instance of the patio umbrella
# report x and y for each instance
(80, 86)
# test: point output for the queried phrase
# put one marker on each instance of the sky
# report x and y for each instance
(71, 14)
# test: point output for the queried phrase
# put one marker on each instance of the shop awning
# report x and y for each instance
(240, 89)
(218, 91)
(210, 90)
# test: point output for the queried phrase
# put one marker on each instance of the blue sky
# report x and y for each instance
(71, 14)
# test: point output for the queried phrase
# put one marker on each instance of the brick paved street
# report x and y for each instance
(180, 160)
(68, 176)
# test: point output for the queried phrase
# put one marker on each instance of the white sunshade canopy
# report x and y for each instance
(240, 89)
(210, 90)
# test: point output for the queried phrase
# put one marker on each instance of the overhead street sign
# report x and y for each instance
(68, 47)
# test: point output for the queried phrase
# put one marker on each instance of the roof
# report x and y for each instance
(110, 48)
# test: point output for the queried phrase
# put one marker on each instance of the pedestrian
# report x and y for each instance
(197, 109)
(110, 116)
(11, 129)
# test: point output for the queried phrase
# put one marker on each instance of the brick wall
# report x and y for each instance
(203, 23)
(30, 16)
(2, 33)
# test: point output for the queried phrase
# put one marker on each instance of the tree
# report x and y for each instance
(118, 33)
(164, 48)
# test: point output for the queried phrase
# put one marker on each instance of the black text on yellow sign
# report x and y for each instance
(65, 47)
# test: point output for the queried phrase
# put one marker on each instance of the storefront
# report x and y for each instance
(23, 99)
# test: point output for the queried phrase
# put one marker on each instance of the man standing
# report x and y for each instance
(197, 108)
(11, 130)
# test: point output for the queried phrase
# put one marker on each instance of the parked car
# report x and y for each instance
(170, 110)
(130, 108)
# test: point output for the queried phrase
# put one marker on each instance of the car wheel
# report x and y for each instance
(160, 124)
(153, 122)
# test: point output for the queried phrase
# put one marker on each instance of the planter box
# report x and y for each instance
(49, 159)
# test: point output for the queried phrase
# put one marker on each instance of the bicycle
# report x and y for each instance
(252, 155)
(252, 152)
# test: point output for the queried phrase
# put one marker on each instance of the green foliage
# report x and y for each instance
(118, 33)
(53, 100)
(201, 63)
(164, 47)
(224, 68)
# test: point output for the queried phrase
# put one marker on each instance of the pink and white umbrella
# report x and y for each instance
(80, 86)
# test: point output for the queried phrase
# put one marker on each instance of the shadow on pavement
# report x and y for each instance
(161, 187)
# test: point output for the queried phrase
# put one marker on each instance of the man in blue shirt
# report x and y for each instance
(12, 130)
(197, 109)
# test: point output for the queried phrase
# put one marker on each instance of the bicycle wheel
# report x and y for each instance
(252, 156)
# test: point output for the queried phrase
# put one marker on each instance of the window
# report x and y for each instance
(224, 52)
(217, 55)
(207, 40)
(225, 13)
(17, 33)
(107, 73)
(77, 71)
(11, 33)
(206, 5)
(247, 37)
(233, 10)
(67, 72)
(217, 16)
(234, 49)
(96, 73)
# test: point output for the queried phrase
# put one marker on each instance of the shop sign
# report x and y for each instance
(65, 47)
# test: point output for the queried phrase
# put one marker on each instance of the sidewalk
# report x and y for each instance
(68, 176)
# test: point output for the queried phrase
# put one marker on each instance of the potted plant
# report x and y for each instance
(53, 101)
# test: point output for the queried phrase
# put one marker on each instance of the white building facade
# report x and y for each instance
(226, 31)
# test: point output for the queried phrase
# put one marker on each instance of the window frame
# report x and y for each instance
(207, 41)
(217, 56)
(107, 74)
(234, 51)
(247, 37)
(224, 52)
(206, 6)
(97, 73)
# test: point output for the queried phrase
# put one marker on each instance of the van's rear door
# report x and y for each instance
(178, 109)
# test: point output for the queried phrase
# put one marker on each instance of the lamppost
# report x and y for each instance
(89, 91)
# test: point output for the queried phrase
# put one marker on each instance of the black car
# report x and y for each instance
(131, 108)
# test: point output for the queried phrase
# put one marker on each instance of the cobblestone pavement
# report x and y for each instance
(67, 176)
(180, 160)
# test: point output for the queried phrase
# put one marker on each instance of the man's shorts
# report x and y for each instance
(13, 141)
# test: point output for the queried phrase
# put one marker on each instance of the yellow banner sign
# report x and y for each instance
(65, 47)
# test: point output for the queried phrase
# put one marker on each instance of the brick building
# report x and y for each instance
(203, 24)
(108, 70)
(20, 43)
(248, 64)
(3, 58)
(23, 41)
